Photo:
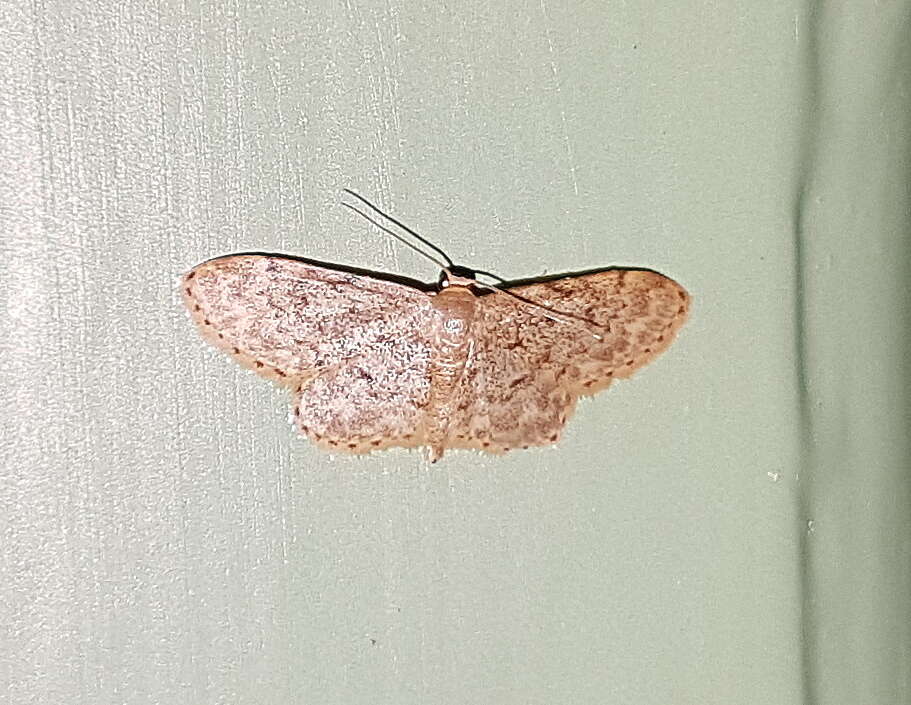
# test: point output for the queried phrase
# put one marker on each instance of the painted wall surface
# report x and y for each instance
(729, 526)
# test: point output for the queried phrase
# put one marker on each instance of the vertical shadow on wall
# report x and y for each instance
(819, 101)
(904, 258)
(807, 160)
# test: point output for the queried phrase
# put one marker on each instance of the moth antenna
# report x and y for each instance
(549, 313)
(447, 265)
(489, 274)
(438, 262)
(420, 238)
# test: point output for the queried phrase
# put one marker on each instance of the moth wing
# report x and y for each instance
(506, 404)
(371, 402)
(287, 319)
(636, 315)
(530, 366)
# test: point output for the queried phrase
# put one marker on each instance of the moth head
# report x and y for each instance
(456, 276)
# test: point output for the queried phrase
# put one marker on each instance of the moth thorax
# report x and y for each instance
(456, 303)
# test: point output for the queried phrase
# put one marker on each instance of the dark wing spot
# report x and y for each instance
(189, 293)
(553, 438)
(519, 380)
(258, 364)
(375, 443)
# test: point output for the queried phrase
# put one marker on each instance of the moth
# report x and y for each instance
(374, 362)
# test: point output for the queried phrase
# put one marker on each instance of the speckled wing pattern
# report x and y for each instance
(354, 349)
(363, 356)
(530, 368)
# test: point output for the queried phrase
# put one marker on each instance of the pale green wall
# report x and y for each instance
(730, 526)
